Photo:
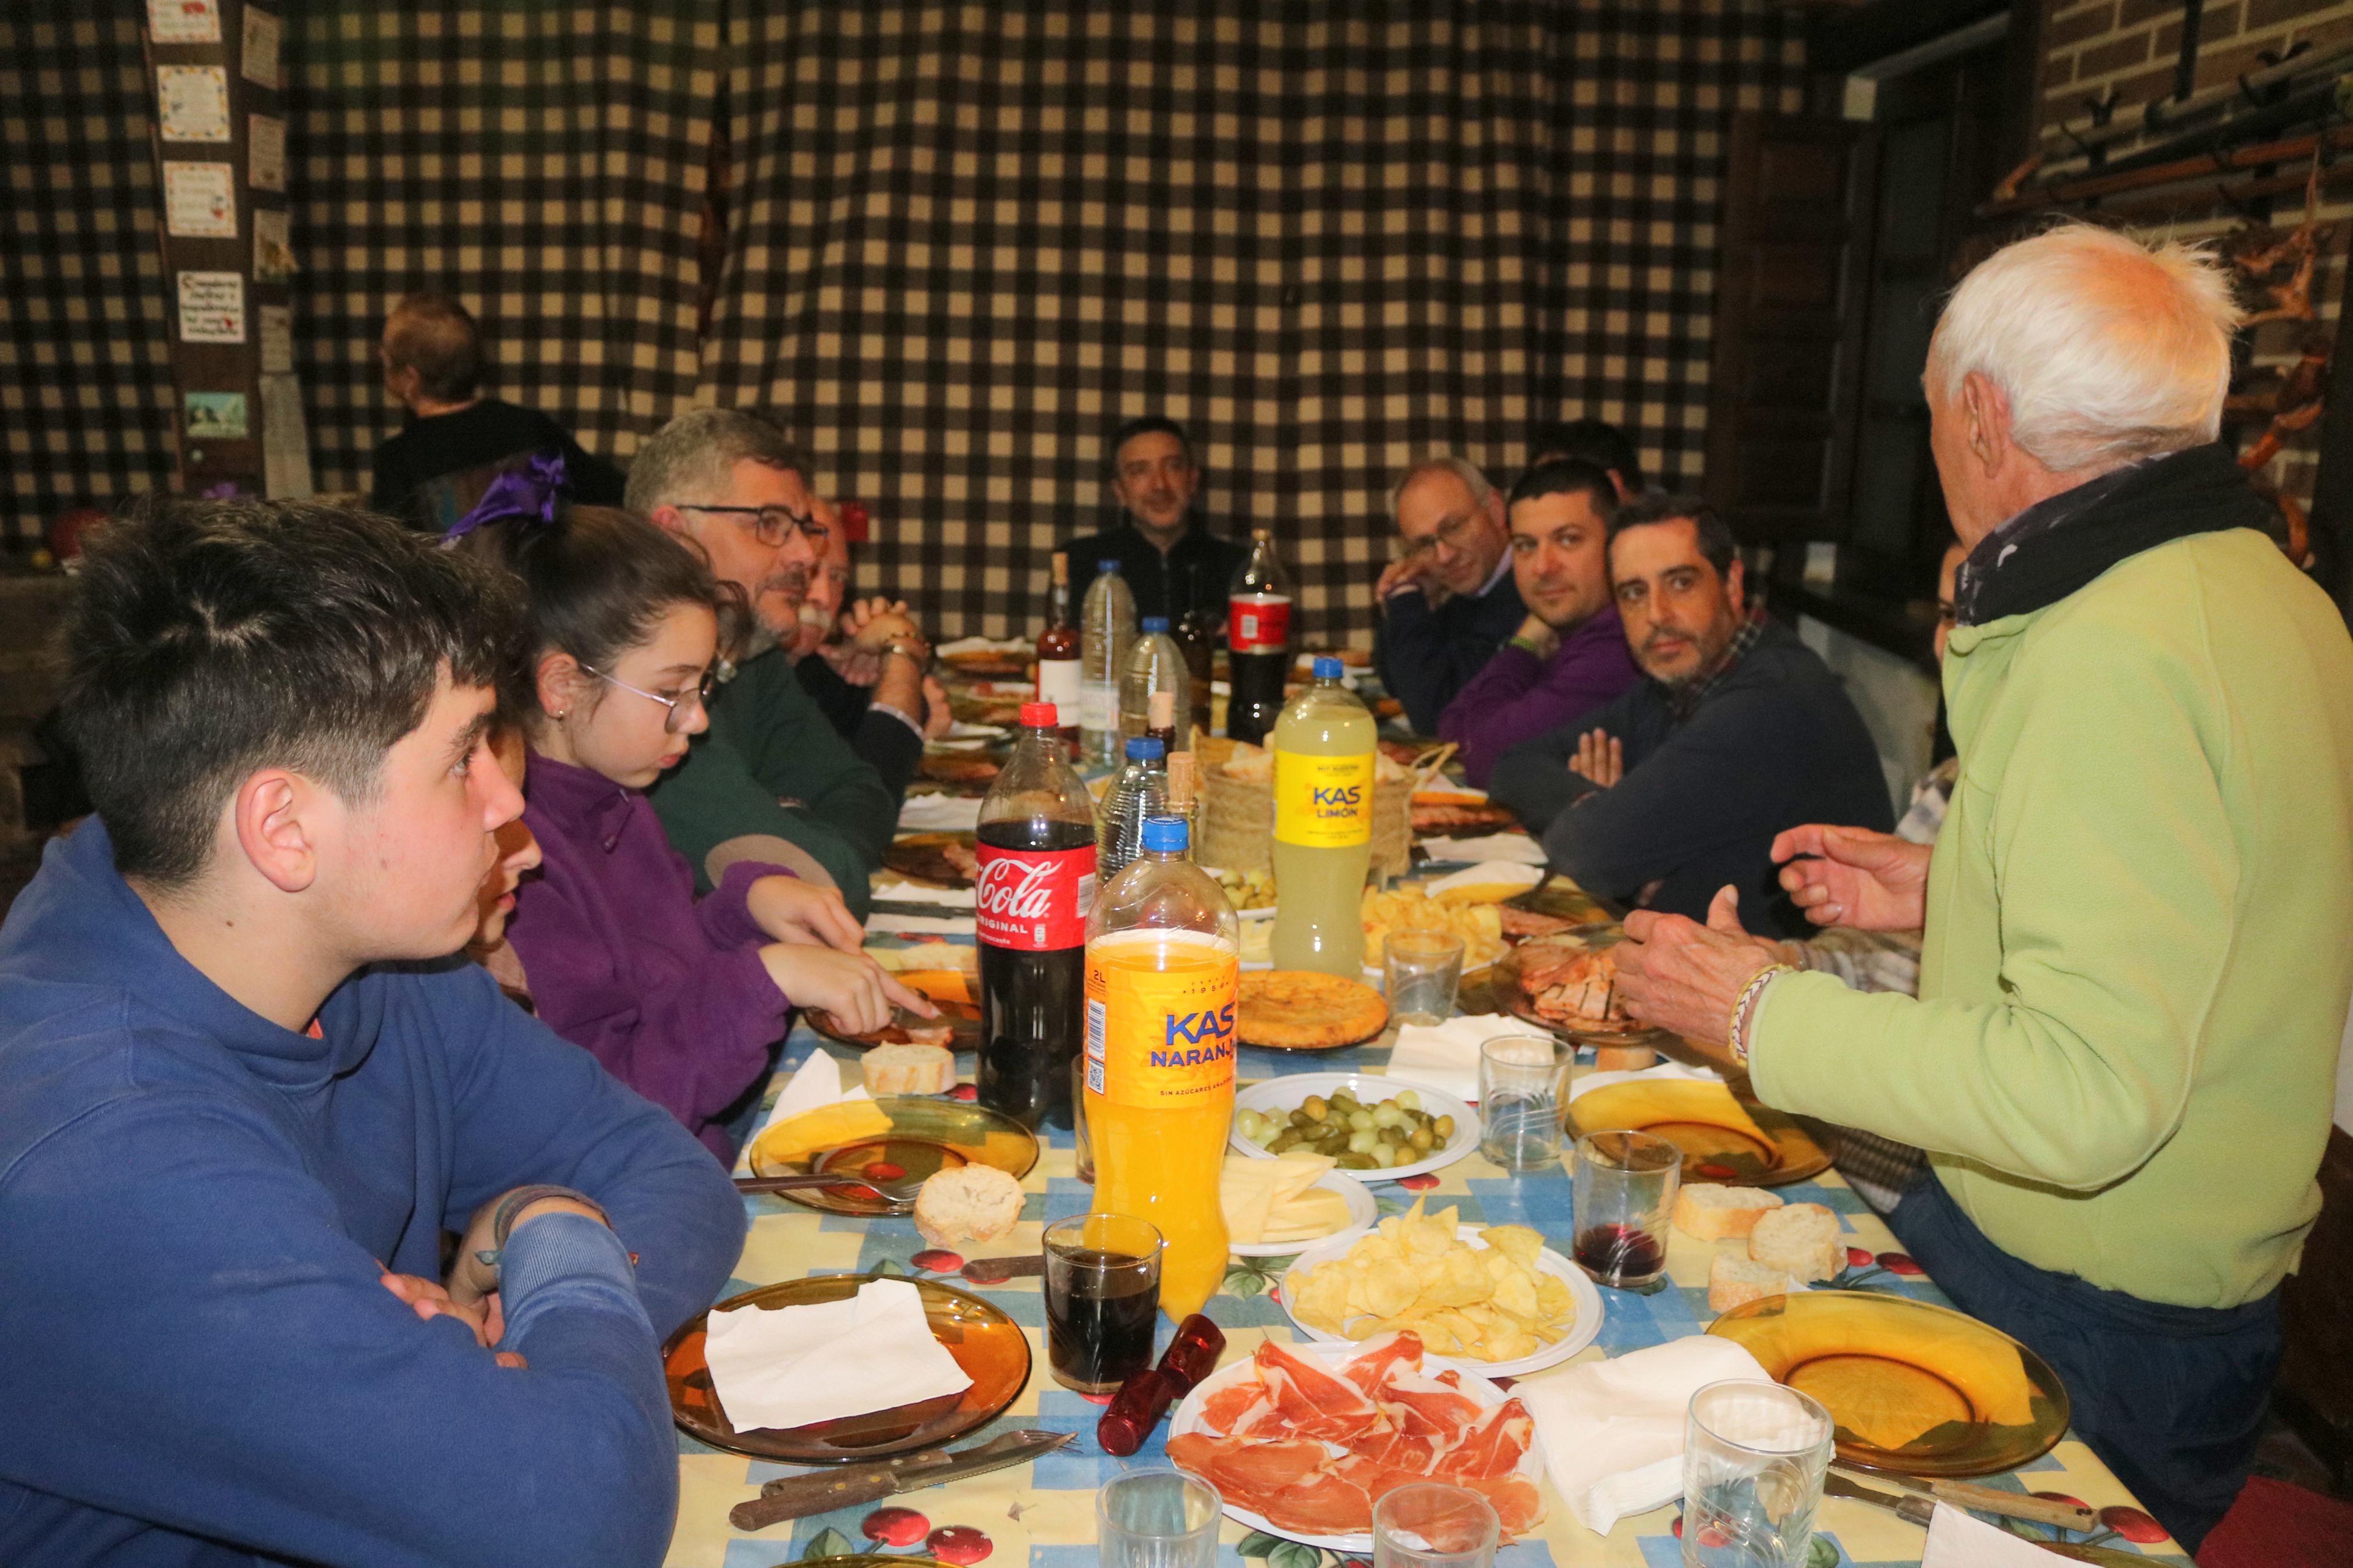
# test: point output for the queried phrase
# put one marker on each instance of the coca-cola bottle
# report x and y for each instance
(1057, 655)
(1257, 639)
(1036, 884)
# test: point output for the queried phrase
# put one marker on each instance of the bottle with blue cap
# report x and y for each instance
(1164, 963)
(1323, 763)
(1141, 791)
(1156, 666)
(1106, 632)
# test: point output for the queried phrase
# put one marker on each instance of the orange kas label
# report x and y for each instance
(1160, 1018)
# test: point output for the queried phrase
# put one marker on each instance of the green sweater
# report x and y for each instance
(2139, 940)
(772, 762)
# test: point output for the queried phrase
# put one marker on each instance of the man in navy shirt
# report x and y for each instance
(245, 1090)
(1174, 566)
(1449, 602)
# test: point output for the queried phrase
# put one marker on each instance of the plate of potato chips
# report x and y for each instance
(1494, 1296)
(1408, 907)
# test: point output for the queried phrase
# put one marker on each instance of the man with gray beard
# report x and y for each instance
(770, 779)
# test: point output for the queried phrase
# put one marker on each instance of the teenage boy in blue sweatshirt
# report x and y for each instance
(244, 1090)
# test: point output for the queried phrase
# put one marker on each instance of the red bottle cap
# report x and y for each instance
(1039, 716)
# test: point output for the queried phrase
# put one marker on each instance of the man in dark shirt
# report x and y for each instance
(1173, 563)
(456, 440)
(1739, 731)
(1449, 602)
(1588, 440)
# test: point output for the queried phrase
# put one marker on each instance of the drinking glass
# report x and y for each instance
(1523, 1090)
(1156, 1518)
(1754, 1457)
(1429, 1525)
(1423, 970)
(1086, 1149)
(1103, 1299)
(1625, 1190)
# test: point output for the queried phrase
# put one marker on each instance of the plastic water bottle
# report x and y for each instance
(1140, 790)
(1163, 963)
(1106, 631)
(1155, 664)
(1323, 761)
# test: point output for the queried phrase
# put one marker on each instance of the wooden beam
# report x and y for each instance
(2094, 187)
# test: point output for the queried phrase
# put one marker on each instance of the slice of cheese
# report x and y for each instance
(827, 1127)
(1277, 1199)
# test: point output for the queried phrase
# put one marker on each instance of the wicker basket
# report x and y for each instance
(1238, 824)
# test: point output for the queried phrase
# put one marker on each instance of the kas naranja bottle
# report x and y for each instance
(1323, 763)
(1163, 957)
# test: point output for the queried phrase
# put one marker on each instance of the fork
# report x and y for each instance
(897, 1190)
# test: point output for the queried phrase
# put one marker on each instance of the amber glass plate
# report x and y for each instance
(1505, 993)
(962, 1017)
(989, 1345)
(1915, 1390)
(1563, 899)
(1726, 1135)
(926, 1136)
(924, 856)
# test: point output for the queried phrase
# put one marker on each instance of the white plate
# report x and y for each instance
(1361, 1213)
(1188, 1418)
(1580, 1332)
(1289, 1093)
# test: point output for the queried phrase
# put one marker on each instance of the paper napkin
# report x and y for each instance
(1669, 1071)
(815, 1082)
(1516, 847)
(1446, 1056)
(796, 1365)
(1613, 1430)
(940, 813)
(936, 925)
(892, 891)
(1488, 874)
(1956, 1541)
(983, 645)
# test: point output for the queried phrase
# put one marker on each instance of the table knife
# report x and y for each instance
(1994, 1501)
(1919, 1508)
(797, 1497)
(998, 1270)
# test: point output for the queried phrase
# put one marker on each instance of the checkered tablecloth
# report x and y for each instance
(1042, 1515)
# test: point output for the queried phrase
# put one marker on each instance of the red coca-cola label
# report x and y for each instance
(1259, 623)
(1034, 901)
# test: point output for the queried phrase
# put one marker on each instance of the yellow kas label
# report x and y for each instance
(1160, 1017)
(1324, 802)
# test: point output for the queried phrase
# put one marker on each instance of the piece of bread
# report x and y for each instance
(1803, 1238)
(970, 1203)
(908, 1069)
(1711, 1212)
(1623, 1058)
(1734, 1281)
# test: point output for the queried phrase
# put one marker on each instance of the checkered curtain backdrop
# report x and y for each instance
(85, 365)
(544, 164)
(969, 239)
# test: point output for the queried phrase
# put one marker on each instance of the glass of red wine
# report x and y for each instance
(1625, 1192)
(1103, 1299)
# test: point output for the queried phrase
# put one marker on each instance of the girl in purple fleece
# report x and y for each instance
(682, 1000)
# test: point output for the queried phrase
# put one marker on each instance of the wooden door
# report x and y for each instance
(1792, 277)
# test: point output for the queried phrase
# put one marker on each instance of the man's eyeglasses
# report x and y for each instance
(771, 525)
(699, 697)
(1449, 533)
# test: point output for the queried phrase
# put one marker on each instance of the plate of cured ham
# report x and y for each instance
(1301, 1439)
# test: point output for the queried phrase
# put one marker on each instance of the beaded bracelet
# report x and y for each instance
(1736, 1027)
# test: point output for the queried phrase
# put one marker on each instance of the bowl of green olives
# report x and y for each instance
(1377, 1128)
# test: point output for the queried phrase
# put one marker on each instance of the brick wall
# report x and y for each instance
(2128, 49)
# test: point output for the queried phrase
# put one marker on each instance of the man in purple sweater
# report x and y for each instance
(1570, 656)
(246, 1088)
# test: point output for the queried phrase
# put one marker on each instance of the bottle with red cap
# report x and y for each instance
(1035, 844)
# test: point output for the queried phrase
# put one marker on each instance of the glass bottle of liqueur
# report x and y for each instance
(1058, 678)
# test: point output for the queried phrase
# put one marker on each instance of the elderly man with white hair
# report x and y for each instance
(2134, 973)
